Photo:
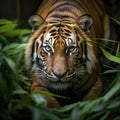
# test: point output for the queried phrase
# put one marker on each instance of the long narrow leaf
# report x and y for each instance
(7, 27)
(115, 88)
(11, 64)
(118, 22)
(11, 46)
(4, 21)
(18, 32)
(111, 71)
(110, 56)
(52, 94)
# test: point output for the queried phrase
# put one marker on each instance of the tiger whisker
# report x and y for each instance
(108, 40)
(103, 45)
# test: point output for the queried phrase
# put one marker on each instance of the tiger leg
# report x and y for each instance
(51, 101)
(96, 90)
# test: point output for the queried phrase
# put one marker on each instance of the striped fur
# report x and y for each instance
(61, 55)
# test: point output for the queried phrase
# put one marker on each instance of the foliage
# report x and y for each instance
(17, 103)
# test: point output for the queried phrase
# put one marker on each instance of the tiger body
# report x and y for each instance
(62, 55)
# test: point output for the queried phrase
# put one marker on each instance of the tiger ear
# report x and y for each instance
(35, 21)
(85, 22)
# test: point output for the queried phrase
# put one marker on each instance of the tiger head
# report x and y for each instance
(60, 53)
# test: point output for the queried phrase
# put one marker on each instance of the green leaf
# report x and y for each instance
(4, 21)
(8, 27)
(18, 32)
(0, 46)
(38, 99)
(76, 114)
(72, 106)
(25, 80)
(25, 39)
(52, 94)
(111, 71)
(11, 46)
(20, 92)
(14, 48)
(2, 38)
(107, 40)
(89, 107)
(118, 51)
(11, 64)
(104, 117)
(115, 88)
(118, 22)
(114, 104)
(110, 56)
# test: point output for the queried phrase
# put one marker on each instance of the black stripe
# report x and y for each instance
(63, 9)
(67, 30)
(59, 25)
(42, 38)
(52, 31)
(67, 9)
(77, 38)
(85, 47)
(53, 34)
(67, 34)
(67, 22)
(54, 2)
(68, 27)
(71, 3)
(56, 15)
(33, 48)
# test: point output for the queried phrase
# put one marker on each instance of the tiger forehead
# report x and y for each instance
(67, 34)
(61, 29)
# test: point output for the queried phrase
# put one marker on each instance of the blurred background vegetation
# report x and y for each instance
(16, 103)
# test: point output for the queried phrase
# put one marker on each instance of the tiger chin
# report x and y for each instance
(61, 55)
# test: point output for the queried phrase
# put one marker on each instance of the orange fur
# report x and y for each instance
(63, 19)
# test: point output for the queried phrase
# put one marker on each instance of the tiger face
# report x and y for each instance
(59, 53)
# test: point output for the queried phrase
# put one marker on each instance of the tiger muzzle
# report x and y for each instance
(60, 67)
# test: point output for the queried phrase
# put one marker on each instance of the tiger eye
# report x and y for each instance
(72, 48)
(47, 48)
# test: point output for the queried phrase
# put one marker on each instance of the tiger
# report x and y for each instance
(62, 55)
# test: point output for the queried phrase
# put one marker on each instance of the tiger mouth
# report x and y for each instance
(57, 84)
(60, 80)
(64, 79)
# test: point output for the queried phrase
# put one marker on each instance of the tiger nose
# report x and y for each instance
(60, 69)
(59, 73)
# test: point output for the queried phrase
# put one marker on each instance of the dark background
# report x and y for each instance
(18, 9)
(23, 9)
